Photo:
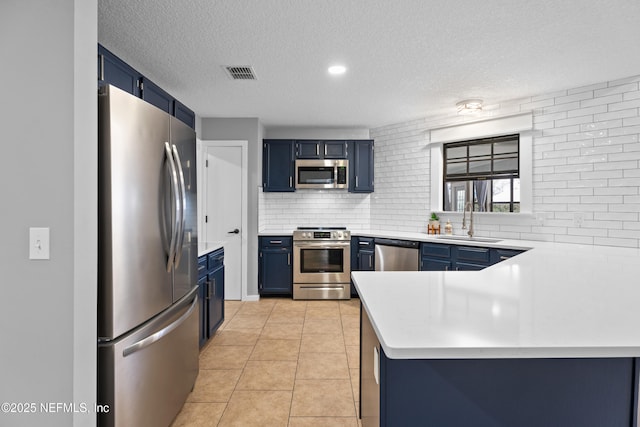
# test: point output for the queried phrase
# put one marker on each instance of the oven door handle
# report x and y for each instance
(322, 245)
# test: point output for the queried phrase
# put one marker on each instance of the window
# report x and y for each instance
(485, 172)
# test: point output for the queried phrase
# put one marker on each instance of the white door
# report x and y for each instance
(225, 209)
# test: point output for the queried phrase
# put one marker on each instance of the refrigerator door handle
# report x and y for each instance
(146, 342)
(176, 217)
(183, 206)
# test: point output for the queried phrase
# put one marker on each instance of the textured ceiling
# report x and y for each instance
(406, 59)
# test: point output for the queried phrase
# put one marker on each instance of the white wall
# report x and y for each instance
(48, 179)
(586, 162)
(248, 129)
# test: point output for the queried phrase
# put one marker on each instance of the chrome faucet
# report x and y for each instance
(469, 206)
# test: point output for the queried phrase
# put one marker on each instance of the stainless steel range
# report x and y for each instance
(321, 263)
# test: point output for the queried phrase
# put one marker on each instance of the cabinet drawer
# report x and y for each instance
(276, 241)
(215, 259)
(500, 254)
(365, 243)
(471, 253)
(202, 267)
(436, 250)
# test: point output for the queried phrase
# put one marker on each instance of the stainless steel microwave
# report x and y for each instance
(322, 173)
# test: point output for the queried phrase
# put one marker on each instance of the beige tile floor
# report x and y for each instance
(279, 362)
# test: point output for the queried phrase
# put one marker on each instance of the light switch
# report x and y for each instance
(39, 243)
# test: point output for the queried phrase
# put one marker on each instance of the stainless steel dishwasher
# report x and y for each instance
(396, 255)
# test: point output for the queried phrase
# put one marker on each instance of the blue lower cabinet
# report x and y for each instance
(499, 254)
(202, 296)
(446, 257)
(436, 257)
(275, 265)
(362, 257)
(472, 258)
(211, 293)
(586, 392)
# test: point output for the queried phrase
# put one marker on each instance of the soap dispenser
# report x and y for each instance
(448, 228)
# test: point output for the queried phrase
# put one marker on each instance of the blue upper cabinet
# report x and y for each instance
(320, 149)
(156, 96)
(361, 166)
(278, 165)
(112, 70)
(184, 114)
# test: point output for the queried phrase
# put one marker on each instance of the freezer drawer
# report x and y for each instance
(145, 376)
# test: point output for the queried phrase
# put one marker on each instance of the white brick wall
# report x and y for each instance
(586, 164)
(286, 211)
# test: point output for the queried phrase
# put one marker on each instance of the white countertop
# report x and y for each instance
(555, 300)
(421, 237)
(207, 247)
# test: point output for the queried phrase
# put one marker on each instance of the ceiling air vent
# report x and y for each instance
(241, 73)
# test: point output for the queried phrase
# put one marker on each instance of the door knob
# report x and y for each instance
(236, 231)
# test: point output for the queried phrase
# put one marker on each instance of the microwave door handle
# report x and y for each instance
(182, 197)
(175, 217)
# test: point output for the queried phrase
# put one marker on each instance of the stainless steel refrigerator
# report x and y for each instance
(147, 262)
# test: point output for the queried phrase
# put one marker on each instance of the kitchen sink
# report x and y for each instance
(468, 239)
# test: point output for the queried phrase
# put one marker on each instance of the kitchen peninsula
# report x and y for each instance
(548, 337)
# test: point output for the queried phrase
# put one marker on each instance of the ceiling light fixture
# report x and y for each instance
(469, 106)
(337, 70)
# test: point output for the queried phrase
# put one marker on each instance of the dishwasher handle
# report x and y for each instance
(397, 243)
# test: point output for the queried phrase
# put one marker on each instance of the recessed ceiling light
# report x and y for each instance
(337, 70)
(469, 106)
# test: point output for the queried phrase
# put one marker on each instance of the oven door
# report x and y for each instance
(321, 262)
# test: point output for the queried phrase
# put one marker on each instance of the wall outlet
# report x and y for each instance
(540, 216)
(578, 219)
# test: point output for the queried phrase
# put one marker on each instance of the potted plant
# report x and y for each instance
(434, 220)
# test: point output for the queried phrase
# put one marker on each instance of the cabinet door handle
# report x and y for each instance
(502, 257)
(288, 259)
(213, 286)
(446, 268)
(101, 67)
(325, 149)
(356, 181)
(317, 149)
(363, 243)
(290, 181)
(208, 289)
(275, 242)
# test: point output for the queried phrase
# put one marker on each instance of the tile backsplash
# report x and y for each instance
(586, 174)
(310, 208)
